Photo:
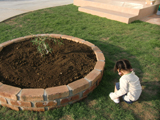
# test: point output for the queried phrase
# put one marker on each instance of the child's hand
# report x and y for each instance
(111, 95)
(116, 100)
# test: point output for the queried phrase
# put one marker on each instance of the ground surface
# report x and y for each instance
(22, 66)
(139, 42)
(11, 8)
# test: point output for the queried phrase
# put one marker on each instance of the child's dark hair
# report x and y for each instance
(122, 65)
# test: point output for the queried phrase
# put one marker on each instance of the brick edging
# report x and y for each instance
(53, 97)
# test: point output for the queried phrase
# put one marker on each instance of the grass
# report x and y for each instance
(138, 42)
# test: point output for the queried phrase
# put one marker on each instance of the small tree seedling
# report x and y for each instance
(42, 47)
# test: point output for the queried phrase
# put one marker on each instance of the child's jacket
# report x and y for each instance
(130, 85)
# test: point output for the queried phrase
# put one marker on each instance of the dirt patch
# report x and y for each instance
(90, 103)
(105, 39)
(11, 22)
(135, 107)
(66, 117)
(22, 66)
(157, 48)
(142, 111)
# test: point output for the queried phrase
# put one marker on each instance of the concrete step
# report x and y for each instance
(110, 14)
(119, 6)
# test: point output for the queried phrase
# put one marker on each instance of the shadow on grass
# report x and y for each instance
(151, 91)
(112, 54)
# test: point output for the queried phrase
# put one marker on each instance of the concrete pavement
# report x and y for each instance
(11, 8)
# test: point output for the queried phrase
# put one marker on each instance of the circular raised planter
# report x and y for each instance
(39, 99)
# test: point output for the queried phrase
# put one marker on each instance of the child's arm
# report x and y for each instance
(123, 89)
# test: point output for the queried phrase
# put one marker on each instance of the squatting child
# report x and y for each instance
(129, 86)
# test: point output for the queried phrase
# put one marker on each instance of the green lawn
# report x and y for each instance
(138, 42)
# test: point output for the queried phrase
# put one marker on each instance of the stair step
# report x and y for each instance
(110, 14)
(125, 3)
(119, 6)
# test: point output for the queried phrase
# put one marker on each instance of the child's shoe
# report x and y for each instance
(116, 100)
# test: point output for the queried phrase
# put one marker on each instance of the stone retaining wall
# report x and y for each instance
(53, 97)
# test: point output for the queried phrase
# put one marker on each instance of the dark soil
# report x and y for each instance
(21, 65)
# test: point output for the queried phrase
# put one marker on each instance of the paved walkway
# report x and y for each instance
(10, 8)
(153, 19)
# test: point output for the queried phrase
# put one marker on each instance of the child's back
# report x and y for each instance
(134, 88)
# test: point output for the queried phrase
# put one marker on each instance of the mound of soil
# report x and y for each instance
(21, 65)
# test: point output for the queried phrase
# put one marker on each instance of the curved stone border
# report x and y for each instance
(53, 97)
